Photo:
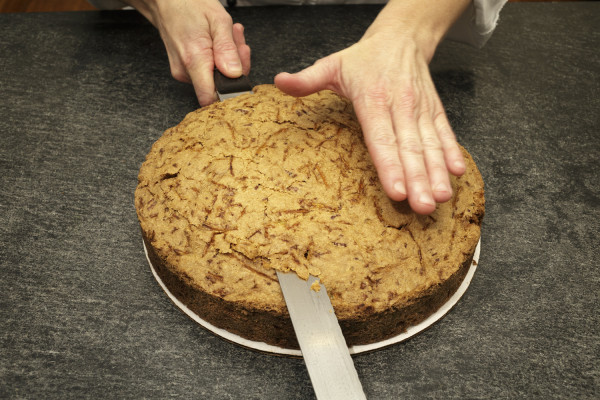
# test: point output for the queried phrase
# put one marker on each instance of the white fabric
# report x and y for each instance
(475, 26)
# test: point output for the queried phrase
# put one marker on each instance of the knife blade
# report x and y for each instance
(322, 343)
(317, 329)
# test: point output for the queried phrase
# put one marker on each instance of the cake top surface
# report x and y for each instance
(266, 182)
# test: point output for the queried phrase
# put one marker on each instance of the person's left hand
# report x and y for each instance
(407, 133)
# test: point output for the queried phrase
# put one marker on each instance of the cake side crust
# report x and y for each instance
(249, 323)
(277, 329)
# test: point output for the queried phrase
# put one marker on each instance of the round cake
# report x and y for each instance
(265, 182)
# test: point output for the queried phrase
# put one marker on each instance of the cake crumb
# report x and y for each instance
(316, 286)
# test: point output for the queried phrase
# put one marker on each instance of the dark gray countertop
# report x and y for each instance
(83, 97)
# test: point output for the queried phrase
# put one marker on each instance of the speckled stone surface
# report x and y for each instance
(83, 97)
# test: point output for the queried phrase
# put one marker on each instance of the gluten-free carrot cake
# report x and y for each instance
(265, 182)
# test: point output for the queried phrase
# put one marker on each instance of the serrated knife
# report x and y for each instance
(318, 331)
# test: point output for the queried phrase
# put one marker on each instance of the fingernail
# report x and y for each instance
(441, 188)
(234, 67)
(399, 187)
(426, 199)
(459, 165)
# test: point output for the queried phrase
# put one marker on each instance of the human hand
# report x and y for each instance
(386, 76)
(198, 35)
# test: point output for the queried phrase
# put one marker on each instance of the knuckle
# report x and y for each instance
(431, 143)
(446, 133)
(440, 120)
(222, 19)
(224, 46)
(417, 175)
(196, 56)
(382, 139)
(180, 74)
(387, 162)
(407, 99)
(437, 167)
(410, 146)
(246, 50)
(439, 117)
(378, 97)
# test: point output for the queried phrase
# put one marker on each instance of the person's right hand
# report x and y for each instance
(386, 76)
(198, 36)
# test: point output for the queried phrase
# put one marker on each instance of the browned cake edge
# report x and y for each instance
(277, 330)
(257, 325)
(384, 325)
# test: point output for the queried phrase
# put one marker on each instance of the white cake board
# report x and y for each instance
(264, 347)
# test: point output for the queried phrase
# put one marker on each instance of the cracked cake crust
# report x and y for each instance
(266, 181)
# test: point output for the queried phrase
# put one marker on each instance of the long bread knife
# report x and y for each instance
(318, 331)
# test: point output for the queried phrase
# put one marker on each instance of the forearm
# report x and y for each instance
(427, 21)
(145, 7)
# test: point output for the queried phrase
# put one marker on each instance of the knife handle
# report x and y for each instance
(226, 85)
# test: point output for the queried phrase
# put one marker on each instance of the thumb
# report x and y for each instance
(321, 75)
